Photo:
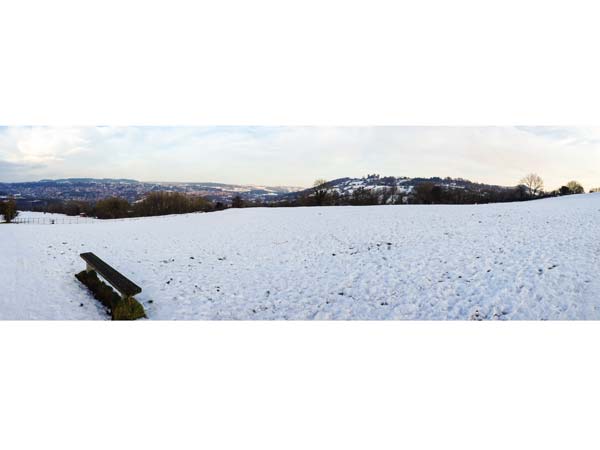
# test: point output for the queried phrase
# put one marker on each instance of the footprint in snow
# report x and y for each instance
(476, 315)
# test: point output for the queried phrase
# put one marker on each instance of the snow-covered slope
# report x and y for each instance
(403, 185)
(531, 260)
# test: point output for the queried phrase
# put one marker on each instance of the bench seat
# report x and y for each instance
(125, 286)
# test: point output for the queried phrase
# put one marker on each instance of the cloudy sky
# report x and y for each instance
(298, 155)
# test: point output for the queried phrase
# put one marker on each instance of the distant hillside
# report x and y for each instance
(401, 186)
(94, 189)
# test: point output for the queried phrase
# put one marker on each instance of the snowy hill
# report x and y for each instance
(405, 184)
(529, 260)
(401, 186)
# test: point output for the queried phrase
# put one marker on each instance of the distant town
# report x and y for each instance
(43, 192)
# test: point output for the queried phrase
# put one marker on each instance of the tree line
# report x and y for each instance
(154, 204)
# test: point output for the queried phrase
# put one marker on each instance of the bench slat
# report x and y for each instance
(120, 282)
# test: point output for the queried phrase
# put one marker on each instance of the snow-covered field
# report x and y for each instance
(531, 260)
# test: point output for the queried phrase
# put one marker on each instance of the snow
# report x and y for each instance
(36, 215)
(529, 260)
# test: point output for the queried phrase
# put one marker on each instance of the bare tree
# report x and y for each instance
(533, 183)
(388, 195)
(237, 202)
(320, 191)
(423, 193)
(575, 187)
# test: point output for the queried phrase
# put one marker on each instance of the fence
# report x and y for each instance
(66, 220)
(53, 221)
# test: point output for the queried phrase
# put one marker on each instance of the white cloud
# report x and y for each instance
(40, 145)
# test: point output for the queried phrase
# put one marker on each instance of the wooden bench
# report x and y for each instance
(125, 286)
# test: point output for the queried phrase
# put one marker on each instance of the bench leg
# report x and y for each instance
(128, 309)
(88, 268)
